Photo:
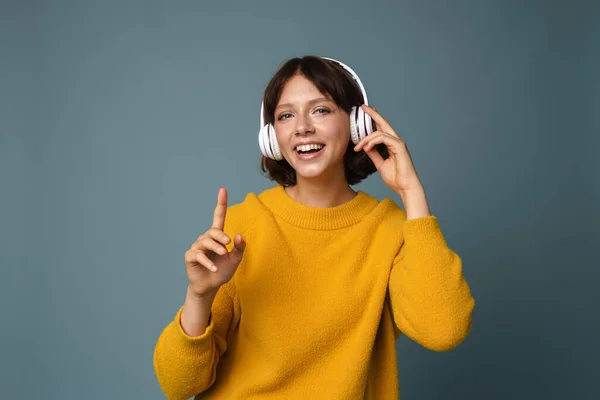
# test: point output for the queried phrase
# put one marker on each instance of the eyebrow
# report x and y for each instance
(310, 102)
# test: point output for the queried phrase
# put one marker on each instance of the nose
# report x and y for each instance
(303, 125)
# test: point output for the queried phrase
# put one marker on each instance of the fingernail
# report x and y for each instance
(214, 268)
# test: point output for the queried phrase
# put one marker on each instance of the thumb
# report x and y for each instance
(239, 245)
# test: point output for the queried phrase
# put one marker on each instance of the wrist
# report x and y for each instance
(416, 191)
(203, 296)
(415, 203)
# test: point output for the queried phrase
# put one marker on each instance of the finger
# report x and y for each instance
(203, 260)
(364, 140)
(376, 158)
(377, 126)
(220, 210)
(213, 245)
(389, 141)
(197, 257)
(367, 139)
(238, 250)
(381, 122)
(219, 236)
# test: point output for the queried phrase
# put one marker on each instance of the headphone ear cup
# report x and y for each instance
(275, 150)
(354, 136)
(263, 141)
(368, 123)
(364, 123)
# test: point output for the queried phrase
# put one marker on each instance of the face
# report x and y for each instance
(306, 116)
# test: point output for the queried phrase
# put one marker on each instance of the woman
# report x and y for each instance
(319, 280)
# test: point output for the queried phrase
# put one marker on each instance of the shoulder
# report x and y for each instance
(390, 215)
(391, 219)
(389, 211)
(243, 216)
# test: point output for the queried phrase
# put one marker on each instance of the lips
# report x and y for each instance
(308, 144)
(309, 156)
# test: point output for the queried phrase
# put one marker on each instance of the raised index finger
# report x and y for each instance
(382, 123)
(220, 210)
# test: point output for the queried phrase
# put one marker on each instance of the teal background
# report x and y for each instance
(119, 121)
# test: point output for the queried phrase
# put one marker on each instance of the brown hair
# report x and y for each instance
(333, 80)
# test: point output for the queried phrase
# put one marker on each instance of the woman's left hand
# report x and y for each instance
(398, 171)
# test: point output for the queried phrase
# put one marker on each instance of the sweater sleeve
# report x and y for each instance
(430, 298)
(185, 365)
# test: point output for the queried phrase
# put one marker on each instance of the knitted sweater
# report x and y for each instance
(317, 303)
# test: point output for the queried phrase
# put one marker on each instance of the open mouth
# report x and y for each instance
(309, 149)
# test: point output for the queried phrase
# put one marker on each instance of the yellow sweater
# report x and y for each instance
(317, 303)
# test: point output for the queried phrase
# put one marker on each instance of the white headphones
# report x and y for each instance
(360, 123)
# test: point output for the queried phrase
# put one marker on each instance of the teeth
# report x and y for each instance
(308, 147)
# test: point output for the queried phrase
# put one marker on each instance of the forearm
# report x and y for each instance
(415, 203)
(189, 348)
(196, 312)
(431, 299)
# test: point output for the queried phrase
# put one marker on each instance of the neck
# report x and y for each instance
(323, 193)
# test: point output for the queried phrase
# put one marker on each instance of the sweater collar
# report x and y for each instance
(283, 206)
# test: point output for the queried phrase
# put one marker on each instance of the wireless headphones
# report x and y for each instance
(360, 123)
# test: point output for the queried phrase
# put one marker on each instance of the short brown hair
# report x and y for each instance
(333, 80)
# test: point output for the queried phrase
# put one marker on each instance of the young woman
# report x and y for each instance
(302, 290)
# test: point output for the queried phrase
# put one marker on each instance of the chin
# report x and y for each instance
(317, 168)
(309, 174)
(315, 172)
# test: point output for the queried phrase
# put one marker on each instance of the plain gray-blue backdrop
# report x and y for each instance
(119, 121)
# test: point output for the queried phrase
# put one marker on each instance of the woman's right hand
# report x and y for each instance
(209, 251)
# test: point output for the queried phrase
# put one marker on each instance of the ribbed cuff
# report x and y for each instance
(187, 341)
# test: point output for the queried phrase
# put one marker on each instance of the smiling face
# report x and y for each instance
(304, 115)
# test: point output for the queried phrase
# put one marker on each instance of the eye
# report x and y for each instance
(283, 116)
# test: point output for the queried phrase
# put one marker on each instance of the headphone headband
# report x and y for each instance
(347, 68)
